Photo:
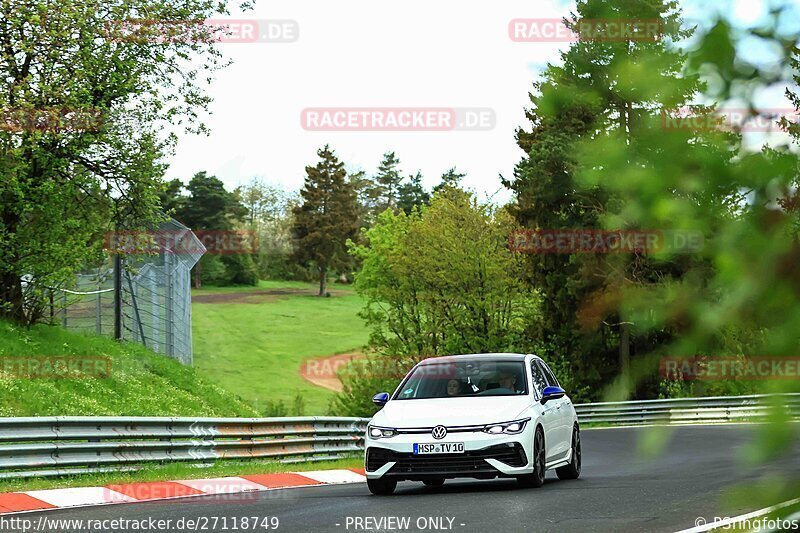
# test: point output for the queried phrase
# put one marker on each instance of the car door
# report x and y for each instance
(549, 419)
(562, 434)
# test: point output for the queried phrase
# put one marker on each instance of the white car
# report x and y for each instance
(478, 416)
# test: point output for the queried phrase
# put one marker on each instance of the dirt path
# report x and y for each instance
(321, 371)
(255, 296)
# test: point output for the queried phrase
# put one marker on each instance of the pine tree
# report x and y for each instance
(387, 182)
(450, 179)
(210, 206)
(412, 194)
(170, 196)
(601, 86)
(327, 217)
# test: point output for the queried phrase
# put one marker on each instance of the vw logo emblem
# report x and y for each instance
(439, 432)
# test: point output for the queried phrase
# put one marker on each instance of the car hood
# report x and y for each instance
(451, 411)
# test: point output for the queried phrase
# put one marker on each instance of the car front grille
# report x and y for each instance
(445, 464)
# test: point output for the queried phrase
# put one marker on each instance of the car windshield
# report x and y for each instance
(464, 378)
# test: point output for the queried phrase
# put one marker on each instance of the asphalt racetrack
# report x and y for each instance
(619, 490)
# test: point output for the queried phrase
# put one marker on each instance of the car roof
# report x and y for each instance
(475, 357)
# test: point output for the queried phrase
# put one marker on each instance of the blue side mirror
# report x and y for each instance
(380, 399)
(552, 393)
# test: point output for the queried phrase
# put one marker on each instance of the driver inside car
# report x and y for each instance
(453, 387)
(507, 380)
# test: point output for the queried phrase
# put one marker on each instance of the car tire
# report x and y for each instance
(435, 483)
(573, 469)
(536, 479)
(381, 487)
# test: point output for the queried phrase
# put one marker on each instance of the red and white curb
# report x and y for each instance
(38, 500)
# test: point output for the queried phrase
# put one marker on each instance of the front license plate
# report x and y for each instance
(438, 447)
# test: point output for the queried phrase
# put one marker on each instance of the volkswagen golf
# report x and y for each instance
(477, 416)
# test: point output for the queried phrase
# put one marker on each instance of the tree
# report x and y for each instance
(82, 144)
(327, 217)
(411, 194)
(262, 201)
(270, 219)
(210, 207)
(440, 280)
(170, 196)
(741, 298)
(452, 179)
(387, 182)
(601, 88)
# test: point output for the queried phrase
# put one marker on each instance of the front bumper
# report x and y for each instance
(485, 456)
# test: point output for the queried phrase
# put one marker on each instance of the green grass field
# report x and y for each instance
(138, 382)
(254, 345)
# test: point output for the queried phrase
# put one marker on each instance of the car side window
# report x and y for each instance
(539, 381)
(551, 378)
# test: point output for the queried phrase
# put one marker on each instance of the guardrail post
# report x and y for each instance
(64, 310)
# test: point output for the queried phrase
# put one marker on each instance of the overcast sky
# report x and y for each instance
(368, 53)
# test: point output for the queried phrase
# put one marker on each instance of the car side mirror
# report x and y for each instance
(552, 393)
(380, 399)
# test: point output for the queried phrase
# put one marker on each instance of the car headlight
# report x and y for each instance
(509, 428)
(377, 432)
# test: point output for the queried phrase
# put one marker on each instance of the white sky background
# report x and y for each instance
(372, 53)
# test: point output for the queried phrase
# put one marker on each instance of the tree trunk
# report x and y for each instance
(11, 297)
(323, 281)
(197, 282)
(625, 354)
(11, 305)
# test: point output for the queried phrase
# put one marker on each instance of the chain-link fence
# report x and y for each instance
(138, 297)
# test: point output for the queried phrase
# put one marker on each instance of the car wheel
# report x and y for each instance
(536, 479)
(381, 487)
(573, 469)
(436, 483)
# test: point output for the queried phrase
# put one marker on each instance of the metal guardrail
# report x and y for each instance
(48, 446)
(64, 445)
(718, 409)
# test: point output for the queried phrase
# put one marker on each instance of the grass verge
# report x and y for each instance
(139, 382)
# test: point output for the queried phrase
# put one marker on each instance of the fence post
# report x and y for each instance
(64, 309)
(117, 297)
(99, 304)
(170, 300)
(136, 310)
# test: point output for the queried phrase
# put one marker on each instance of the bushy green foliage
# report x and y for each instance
(211, 208)
(438, 281)
(278, 408)
(270, 218)
(600, 155)
(602, 88)
(741, 296)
